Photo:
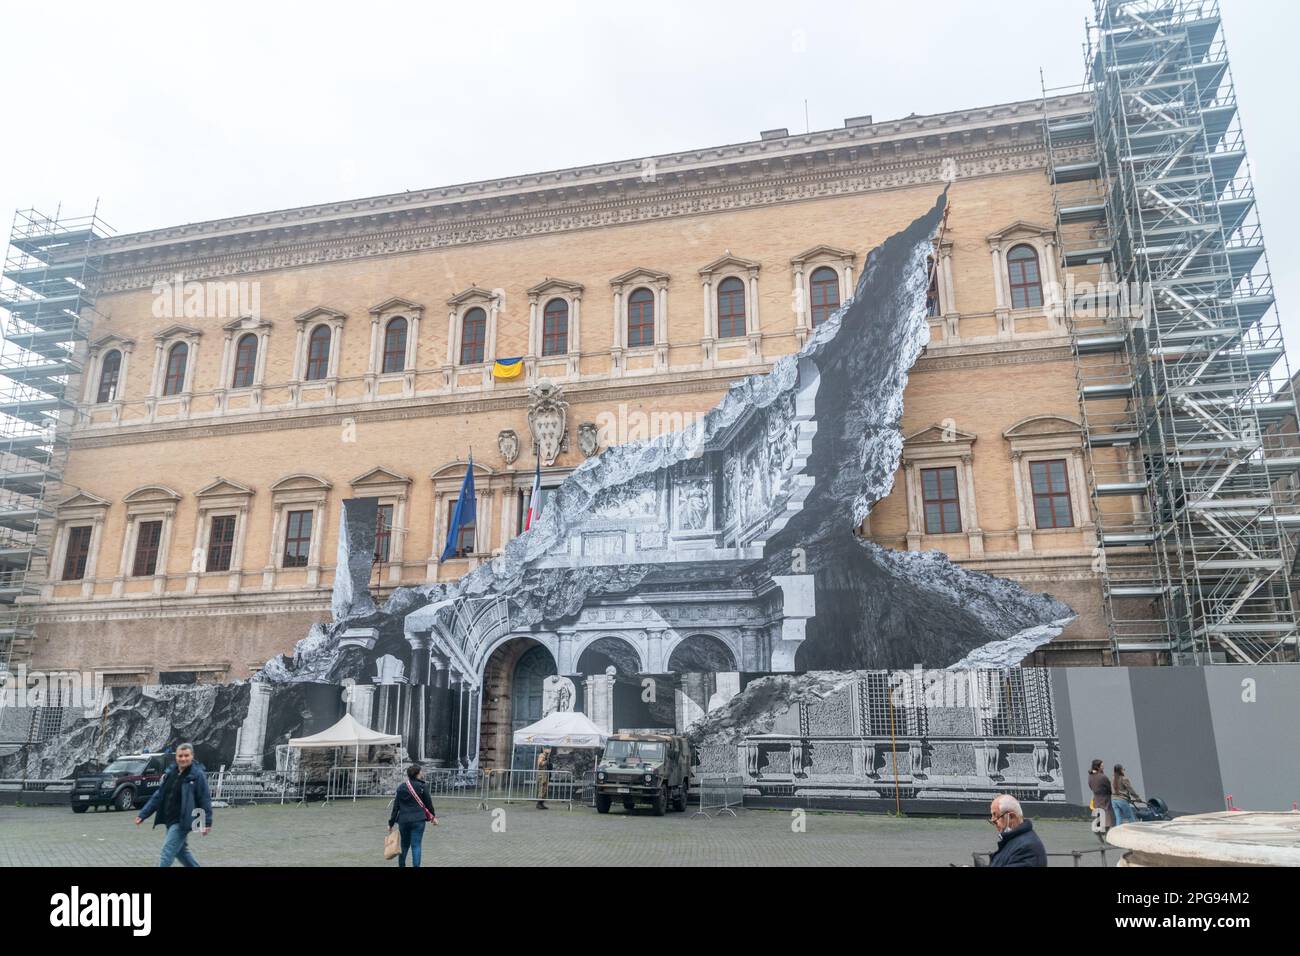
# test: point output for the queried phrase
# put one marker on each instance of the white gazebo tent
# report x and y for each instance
(348, 732)
(569, 729)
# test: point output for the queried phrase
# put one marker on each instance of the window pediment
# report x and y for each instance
(301, 482)
(1044, 426)
(729, 263)
(552, 286)
(246, 323)
(177, 332)
(1020, 230)
(222, 488)
(319, 313)
(395, 304)
(380, 479)
(823, 252)
(111, 341)
(939, 435)
(473, 295)
(85, 501)
(147, 493)
(638, 275)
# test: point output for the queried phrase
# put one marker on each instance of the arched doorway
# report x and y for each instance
(701, 654)
(616, 703)
(609, 652)
(512, 694)
(531, 671)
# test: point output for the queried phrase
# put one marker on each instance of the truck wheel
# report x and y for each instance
(602, 803)
(125, 799)
(80, 808)
(679, 801)
(661, 801)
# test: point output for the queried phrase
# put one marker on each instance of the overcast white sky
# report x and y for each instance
(179, 112)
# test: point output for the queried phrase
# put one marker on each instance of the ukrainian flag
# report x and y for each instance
(508, 368)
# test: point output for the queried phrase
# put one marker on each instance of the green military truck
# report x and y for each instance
(644, 768)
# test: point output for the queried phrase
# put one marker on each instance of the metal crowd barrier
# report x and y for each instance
(351, 782)
(720, 793)
(34, 783)
(454, 784)
(248, 785)
(522, 786)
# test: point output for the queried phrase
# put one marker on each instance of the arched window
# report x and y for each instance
(473, 337)
(1023, 277)
(174, 381)
(395, 345)
(318, 353)
(824, 291)
(731, 308)
(245, 361)
(109, 370)
(555, 327)
(640, 318)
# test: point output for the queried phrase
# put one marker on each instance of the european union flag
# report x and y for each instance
(464, 513)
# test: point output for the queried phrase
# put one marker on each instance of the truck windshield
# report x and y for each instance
(125, 766)
(627, 752)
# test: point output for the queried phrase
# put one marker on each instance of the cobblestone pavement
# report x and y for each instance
(352, 835)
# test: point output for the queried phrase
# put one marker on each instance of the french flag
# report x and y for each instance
(535, 501)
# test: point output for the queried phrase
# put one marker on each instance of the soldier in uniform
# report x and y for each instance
(545, 763)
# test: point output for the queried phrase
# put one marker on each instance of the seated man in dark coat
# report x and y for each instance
(1018, 844)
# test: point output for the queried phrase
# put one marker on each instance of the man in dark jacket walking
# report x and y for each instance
(177, 801)
(1018, 844)
(412, 809)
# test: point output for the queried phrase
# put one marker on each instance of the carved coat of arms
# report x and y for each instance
(548, 419)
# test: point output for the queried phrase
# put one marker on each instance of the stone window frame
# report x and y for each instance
(1044, 242)
(163, 343)
(152, 502)
(391, 489)
(95, 354)
(297, 492)
(937, 446)
(1048, 438)
(538, 296)
(307, 323)
(728, 266)
(491, 302)
(380, 315)
(621, 288)
(488, 488)
(221, 497)
(81, 510)
(948, 315)
(233, 333)
(802, 267)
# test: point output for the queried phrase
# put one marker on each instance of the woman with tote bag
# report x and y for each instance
(412, 809)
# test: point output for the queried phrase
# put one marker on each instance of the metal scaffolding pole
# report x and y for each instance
(1188, 407)
(47, 290)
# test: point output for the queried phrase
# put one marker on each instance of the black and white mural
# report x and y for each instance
(728, 546)
(703, 558)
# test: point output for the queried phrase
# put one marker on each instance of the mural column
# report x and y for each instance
(252, 732)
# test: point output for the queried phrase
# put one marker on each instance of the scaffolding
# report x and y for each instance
(47, 291)
(1187, 403)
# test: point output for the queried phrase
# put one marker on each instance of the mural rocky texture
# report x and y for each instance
(136, 720)
(796, 502)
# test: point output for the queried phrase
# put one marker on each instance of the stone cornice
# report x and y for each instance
(855, 159)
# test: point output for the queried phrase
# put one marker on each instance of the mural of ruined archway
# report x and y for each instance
(702, 653)
(612, 701)
(499, 687)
